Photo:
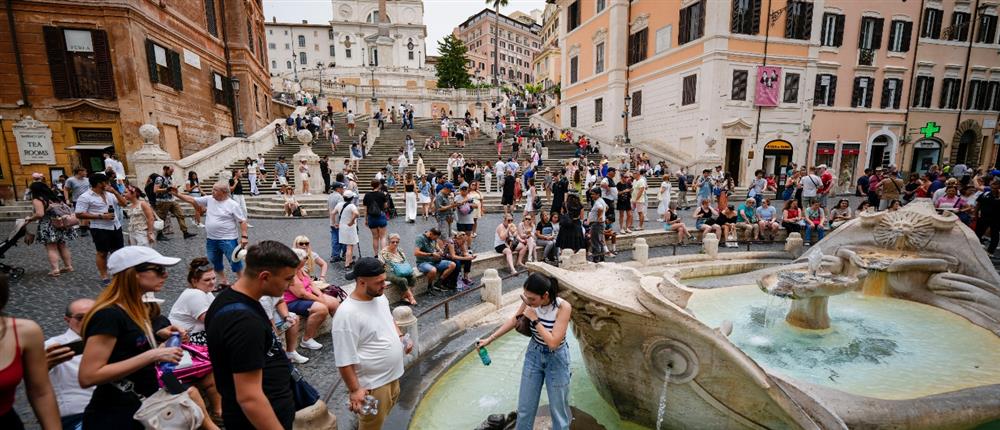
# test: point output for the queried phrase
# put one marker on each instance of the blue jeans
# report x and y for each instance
(441, 266)
(336, 249)
(820, 231)
(219, 249)
(551, 368)
(72, 422)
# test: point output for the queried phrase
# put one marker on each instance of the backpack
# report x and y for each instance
(148, 189)
(62, 215)
(373, 210)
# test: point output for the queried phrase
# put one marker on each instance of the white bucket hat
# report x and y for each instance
(131, 256)
(239, 254)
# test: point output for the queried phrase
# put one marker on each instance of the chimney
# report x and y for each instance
(305, 21)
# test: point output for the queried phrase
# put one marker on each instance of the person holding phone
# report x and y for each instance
(63, 354)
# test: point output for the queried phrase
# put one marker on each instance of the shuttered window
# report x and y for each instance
(833, 30)
(572, 116)
(870, 36)
(636, 103)
(931, 27)
(891, 93)
(861, 96)
(900, 33)
(745, 17)
(959, 29)
(825, 93)
(978, 97)
(739, 85)
(950, 88)
(987, 29)
(573, 16)
(598, 110)
(791, 93)
(79, 63)
(164, 66)
(211, 26)
(993, 98)
(637, 43)
(923, 92)
(692, 23)
(798, 20)
(220, 89)
(574, 69)
(690, 90)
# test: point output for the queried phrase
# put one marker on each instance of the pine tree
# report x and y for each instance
(451, 71)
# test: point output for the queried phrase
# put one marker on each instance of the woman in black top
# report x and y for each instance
(508, 191)
(570, 226)
(120, 342)
(375, 203)
(624, 204)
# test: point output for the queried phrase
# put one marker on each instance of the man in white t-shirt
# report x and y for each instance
(810, 186)
(368, 346)
(225, 227)
(100, 206)
(639, 196)
(63, 356)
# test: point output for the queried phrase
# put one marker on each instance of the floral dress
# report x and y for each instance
(48, 234)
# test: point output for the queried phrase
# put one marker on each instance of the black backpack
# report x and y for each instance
(373, 209)
(150, 186)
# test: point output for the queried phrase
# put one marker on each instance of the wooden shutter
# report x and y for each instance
(945, 92)
(151, 61)
(936, 29)
(637, 103)
(833, 90)
(929, 92)
(755, 20)
(856, 93)
(907, 34)
(105, 71)
(739, 91)
(861, 32)
(55, 47)
(789, 21)
(885, 94)
(818, 90)
(877, 33)
(736, 21)
(683, 25)
(899, 93)
(174, 61)
(869, 92)
(807, 21)
(701, 19)
(838, 31)
(212, 27)
(791, 90)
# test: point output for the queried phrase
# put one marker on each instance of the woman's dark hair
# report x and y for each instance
(540, 284)
(862, 204)
(198, 267)
(192, 175)
(842, 201)
(42, 192)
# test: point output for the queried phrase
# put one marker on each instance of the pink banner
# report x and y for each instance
(768, 83)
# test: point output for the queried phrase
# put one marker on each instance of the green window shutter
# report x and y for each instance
(174, 61)
(151, 61)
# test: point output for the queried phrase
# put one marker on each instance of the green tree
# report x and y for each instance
(451, 71)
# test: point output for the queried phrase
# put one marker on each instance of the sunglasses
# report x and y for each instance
(302, 244)
(150, 267)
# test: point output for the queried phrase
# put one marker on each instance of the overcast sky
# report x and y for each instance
(440, 16)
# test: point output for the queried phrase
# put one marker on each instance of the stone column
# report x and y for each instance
(640, 251)
(710, 245)
(312, 160)
(407, 323)
(150, 158)
(493, 289)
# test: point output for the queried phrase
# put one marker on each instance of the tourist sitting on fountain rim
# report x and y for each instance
(767, 219)
(547, 357)
(841, 214)
(705, 217)
(815, 220)
(791, 216)
(746, 219)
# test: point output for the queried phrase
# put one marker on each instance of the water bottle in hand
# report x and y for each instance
(173, 342)
(485, 356)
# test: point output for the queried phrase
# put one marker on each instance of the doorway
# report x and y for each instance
(965, 147)
(734, 153)
(171, 141)
(878, 154)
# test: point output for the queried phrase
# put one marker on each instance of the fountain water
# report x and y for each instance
(661, 410)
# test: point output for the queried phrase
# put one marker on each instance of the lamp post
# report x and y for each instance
(625, 113)
(479, 84)
(235, 83)
(319, 67)
(371, 67)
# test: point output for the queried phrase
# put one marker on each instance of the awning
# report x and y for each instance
(91, 146)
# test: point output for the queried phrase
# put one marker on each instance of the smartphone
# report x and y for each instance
(76, 347)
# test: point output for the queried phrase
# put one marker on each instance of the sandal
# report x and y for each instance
(54, 274)
(67, 269)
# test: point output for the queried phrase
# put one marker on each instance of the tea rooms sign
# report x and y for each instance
(34, 142)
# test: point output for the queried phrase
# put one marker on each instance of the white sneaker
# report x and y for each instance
(296, 357)
(311, 344)
(201, 225)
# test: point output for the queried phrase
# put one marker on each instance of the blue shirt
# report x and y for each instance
(281, 168)
(766, 214)
(705, 189)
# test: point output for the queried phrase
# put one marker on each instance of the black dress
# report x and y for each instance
(571, 232)
(508, 190)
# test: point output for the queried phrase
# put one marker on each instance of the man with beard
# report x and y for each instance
(368, 346)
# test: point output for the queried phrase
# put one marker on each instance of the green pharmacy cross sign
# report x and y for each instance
(930, 129)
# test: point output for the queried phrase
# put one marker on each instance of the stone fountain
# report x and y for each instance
(902, 317)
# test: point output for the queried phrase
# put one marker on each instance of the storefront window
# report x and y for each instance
(848, 164)
(926, 152)
(824, 153)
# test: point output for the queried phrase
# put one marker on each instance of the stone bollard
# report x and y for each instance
(793, 244)
(640, 251)
(710, 245)
(407, 323)
(315, 417)
(492, 288)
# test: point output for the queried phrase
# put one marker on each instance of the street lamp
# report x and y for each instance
(235, 83)
(628, 103)
(319, 67)
(371, 67)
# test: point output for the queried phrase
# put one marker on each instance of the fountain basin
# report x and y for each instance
(809, 292)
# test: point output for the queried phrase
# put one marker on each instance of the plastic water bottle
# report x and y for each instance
(370, 407)
(173, 342)
(485, 356)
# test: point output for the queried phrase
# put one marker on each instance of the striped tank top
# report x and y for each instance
(547, 315)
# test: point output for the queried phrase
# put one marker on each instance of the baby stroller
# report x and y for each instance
(20, 230)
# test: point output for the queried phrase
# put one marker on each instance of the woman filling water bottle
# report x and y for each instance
(546, 360)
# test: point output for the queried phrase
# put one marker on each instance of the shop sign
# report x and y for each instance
(990, 123)
(930, 129)
(930, 144)
(851, 151)
(778, 145)
(34, 142)
(825, 151)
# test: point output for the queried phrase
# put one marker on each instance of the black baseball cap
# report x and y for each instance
(365, 267)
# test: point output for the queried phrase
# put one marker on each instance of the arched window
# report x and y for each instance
(274, 64)
(302, 58)
(288, 65)
(373, 17)
(409, 47)
(302, 41)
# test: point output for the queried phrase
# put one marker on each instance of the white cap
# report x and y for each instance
(348, 194)
(131, 256)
